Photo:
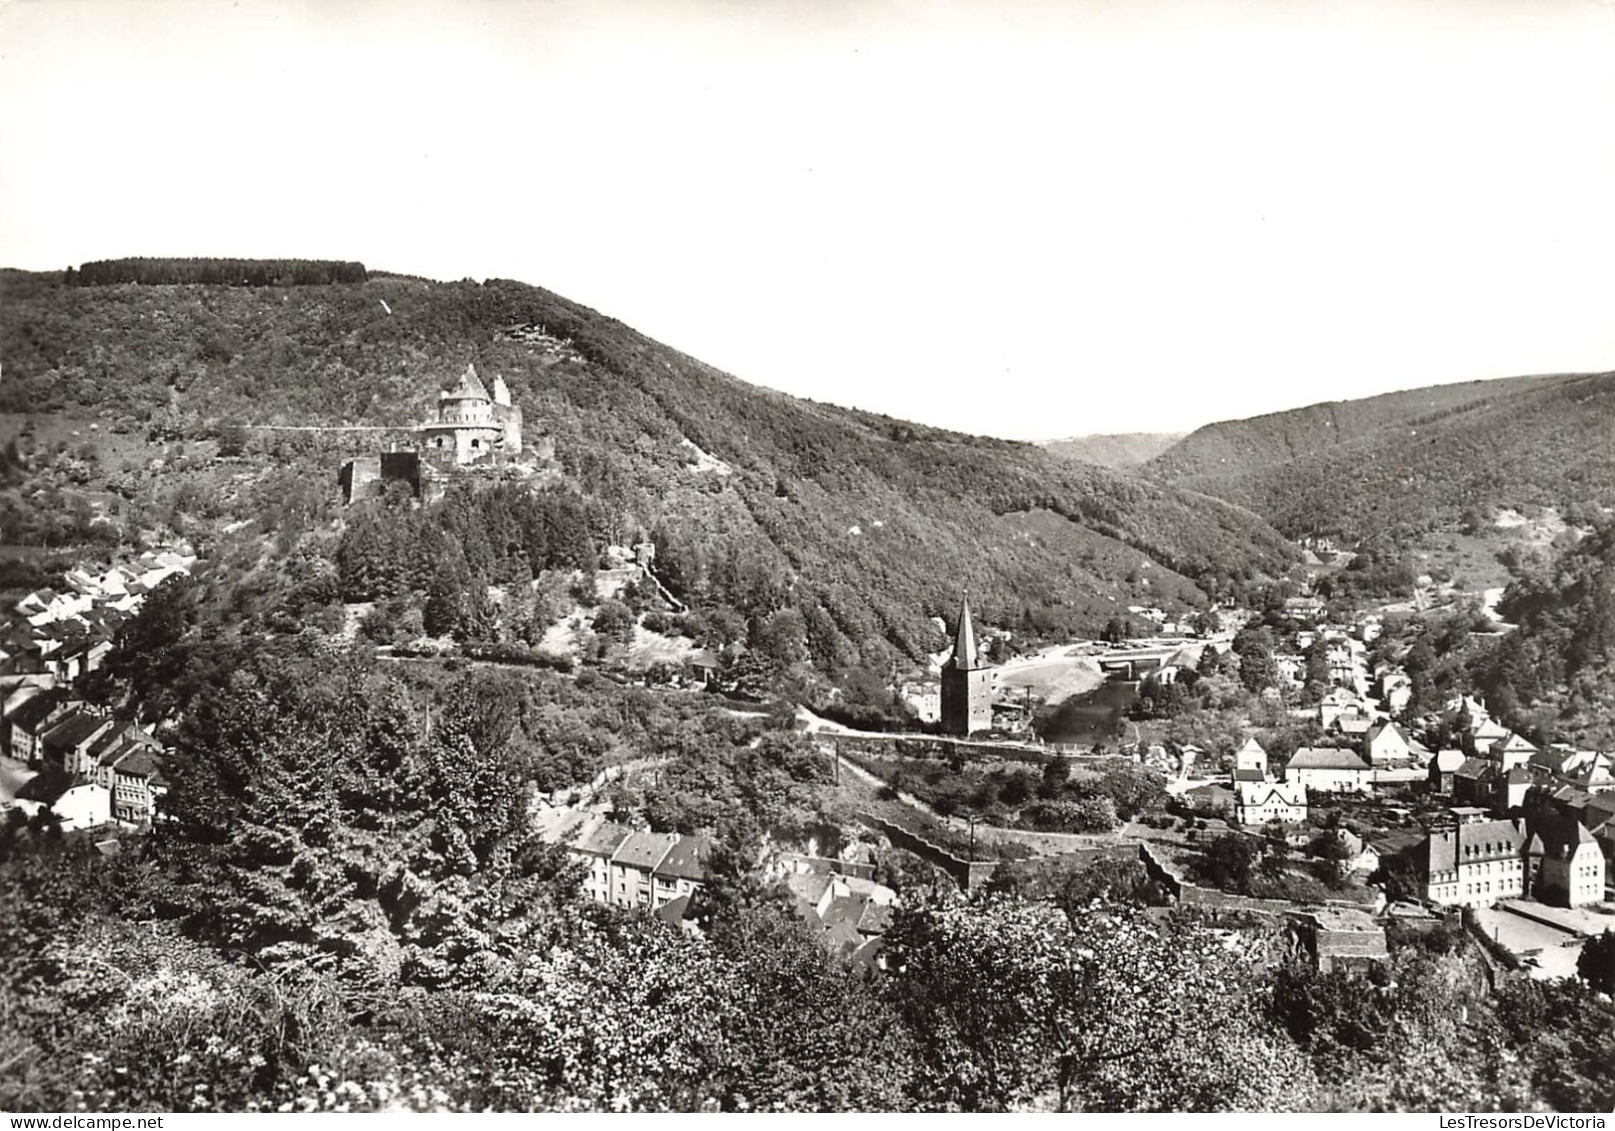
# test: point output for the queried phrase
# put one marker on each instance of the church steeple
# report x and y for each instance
(965, 656)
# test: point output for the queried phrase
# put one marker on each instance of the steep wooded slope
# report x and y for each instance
(1410, 462)
(866, 524)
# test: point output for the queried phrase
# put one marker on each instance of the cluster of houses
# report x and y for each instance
(63, 754)
(66, 633)
(639, 869)
(1489, 844)
(1385, 756)
(663, 873)
(88, 768)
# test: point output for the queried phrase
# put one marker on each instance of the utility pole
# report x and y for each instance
(972, 838)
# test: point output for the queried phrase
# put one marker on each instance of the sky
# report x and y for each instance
(1024, 218)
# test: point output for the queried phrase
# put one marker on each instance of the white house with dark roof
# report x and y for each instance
(1325, 770)
(1257, 803)
(1385, 744)
(1509, 751)
(1250, 762)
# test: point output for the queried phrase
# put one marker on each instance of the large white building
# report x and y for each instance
(1474, 862)
(1324, 770)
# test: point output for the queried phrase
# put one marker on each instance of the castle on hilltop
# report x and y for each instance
(472, 424)
(474, 430)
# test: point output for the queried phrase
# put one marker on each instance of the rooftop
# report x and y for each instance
(644, 850)
(1324, 758)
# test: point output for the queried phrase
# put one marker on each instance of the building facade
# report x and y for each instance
(1474, 862)
(1257, 803)
(1325, 770)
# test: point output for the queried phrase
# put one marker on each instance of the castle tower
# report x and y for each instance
(470, 426)
(967, 682)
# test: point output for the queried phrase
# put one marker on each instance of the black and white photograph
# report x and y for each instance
(807, 556)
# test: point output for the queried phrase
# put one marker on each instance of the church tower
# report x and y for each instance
(967, 682)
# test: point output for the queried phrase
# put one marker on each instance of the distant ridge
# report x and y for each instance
(1410, 461)
(1120, 449)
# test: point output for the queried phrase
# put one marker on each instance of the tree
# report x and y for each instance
(1257, 668)
(614, 620)
(1596, 966)
(1056, 773)
(1230, 861)
(445, 600)
(1017, 1005)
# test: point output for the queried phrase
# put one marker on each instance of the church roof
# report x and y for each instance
(469, 387)
(966, 656)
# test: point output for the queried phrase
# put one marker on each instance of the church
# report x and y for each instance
(967, 682)
(473, 424)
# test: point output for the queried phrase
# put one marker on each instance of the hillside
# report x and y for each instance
(1411, 462)
(1122, 449)
(866, 525)
(1555, 674)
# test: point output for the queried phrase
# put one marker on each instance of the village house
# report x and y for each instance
(1363, 856)
(1509, 751)
(1354, 726)
(66, 743)
(1341, 701)
(1442, 768)
(138, 786)
(633, 865)
(1491, 786)
(1585, 770)
(76, 803)
(1325, 770)
(1257, 803)
(681, 871)
(848, 914)
(31, 720)
(594, 848)
(1565, 863)
(1385, 744)
(1250, 762)
(1464, 713)
(1395, 690)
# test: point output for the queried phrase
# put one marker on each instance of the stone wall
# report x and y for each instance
(966, 873)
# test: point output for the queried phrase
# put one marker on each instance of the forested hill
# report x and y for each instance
(1122, 449)
(1413, 461)
(1555, 674)
(866, 525)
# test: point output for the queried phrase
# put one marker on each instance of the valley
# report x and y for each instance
(455, 641)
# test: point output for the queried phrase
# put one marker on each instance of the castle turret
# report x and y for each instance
(472, 426)
(967, 681)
